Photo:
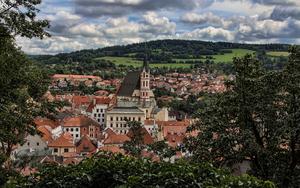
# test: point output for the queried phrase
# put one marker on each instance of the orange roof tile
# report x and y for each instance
(147, 137)
(113, 149)
(116, 139)
(85, 145)
(46, 122)
(46, 134)
(78, 121)
(98, 100)
(81, 100)
(65, 140)
(174, 139)
(72, 160)
(72, 76)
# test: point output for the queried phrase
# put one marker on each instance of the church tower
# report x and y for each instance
(145, 82)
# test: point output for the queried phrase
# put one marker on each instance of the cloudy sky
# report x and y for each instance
(85, 24)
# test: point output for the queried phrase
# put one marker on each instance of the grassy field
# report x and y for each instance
(128, 61)
(278, 53)
(227, 57)
(136, 63)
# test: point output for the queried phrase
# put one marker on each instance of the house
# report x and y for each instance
(79, 126)
(33, 144)
(85, 146)
(151, 127)
(62, 145)
(147, 138)
(97, 109)
(117, 117)
(115, 140)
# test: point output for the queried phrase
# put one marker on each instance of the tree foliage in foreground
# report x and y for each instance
(18, 17)
(108, 170)
(257, 119)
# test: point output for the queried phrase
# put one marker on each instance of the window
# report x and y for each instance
(103, 120)
(77, 129)
(120, 125)
(117, 125)
(55, 150)
(101, 110)
(67, 129)
(117, 118)
(121, 131)
(72, 129)
(28, 144)
(133, 118)
(95, 115)
(97, 110)
(37, 143)
(121, 118)
(125, 125)
(139, 118)
(129, 118)
(66, 150)
(99, 120)
(77, 135)
(111, 125)
(111, 118)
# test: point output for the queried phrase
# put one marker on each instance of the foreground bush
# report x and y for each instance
(108, 170)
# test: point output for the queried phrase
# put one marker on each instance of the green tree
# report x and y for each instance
(162, 149)
(18, 17)
(254, 120)
(108, 170)
(22, 83)
(135, 145)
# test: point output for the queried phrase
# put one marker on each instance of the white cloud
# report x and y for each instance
(209, 33)
(206, 18)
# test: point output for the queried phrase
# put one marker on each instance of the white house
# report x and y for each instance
(97, 109)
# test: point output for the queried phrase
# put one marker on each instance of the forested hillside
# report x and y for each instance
(167, 51)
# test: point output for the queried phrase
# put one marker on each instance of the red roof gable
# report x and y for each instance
(65, 140)
(78, 121)
(116, 139)
(85, 145)
(98, 100)
(147, 137)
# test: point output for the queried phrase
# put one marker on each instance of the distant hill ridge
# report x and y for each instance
(159, 50)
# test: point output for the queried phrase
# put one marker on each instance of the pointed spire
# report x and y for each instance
(146, 63)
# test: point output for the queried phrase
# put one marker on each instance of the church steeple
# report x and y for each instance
(146, 63)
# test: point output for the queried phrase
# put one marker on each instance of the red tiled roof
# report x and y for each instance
(116, 139)
(65, 140)
(46, 134)
(69, 154)
(72, 160)
(113, 149)
(147, 137)
(72, 76)
(85, 145)
(81, 100)
(78, 121)
(148, 122)
(98, 100)
(45, 122)
(178, 127)
(174, 139)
